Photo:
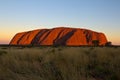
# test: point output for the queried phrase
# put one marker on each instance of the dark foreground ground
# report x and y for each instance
(59, 63)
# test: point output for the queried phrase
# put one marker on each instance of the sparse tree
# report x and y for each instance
(95, 42)
(108, 44)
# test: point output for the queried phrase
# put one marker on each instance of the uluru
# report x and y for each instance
(64, 36)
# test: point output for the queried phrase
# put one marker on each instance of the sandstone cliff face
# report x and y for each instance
(59, 36)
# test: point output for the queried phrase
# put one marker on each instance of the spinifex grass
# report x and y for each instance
(60, 63)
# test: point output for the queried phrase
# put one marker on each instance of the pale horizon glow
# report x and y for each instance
(25, 15)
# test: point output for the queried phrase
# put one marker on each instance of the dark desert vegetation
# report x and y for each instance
(59, 63)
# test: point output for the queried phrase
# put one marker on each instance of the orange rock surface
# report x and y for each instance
(59, 36)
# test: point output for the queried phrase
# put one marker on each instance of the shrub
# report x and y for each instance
(3, 52)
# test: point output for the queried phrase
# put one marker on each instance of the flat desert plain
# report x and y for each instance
(59, 63)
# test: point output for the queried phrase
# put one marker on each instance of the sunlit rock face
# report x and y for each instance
(59, 36)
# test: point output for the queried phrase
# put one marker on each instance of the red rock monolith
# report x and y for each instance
(59, 36)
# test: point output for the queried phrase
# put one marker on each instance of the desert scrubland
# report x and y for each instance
(59, 63)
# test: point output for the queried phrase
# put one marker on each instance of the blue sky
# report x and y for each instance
(23, 15)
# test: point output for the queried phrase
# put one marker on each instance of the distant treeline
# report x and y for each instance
(7, 45)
